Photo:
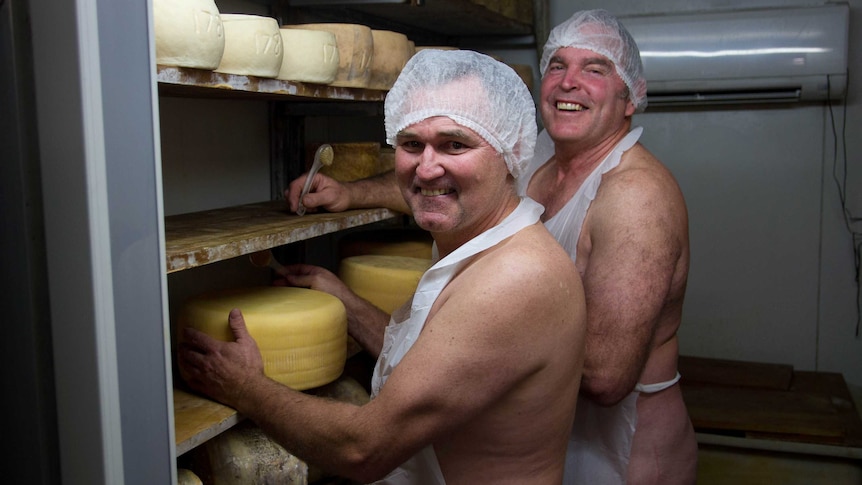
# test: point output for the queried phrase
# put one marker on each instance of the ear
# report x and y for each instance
(630, 108)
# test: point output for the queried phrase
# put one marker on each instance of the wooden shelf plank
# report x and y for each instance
(200, 238)
(198, 419)
(184, 81)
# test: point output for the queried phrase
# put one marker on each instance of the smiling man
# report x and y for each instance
(477, 377)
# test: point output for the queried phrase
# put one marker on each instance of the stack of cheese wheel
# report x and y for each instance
(301, 333)
(252, 46)
(355, 51)
(309, 56)
(388, 282)
(188, 33)
(352, 161)
(392, 50)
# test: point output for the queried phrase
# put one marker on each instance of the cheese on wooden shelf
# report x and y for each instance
(392, 50)
(309, 56)
(301, 333)
(252, 46)
(395, 242)
(386, 281)
(187, 477)
(355, 49)
(188, 33)
(244, 455)
(352, 161)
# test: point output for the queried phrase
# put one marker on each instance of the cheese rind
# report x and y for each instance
(309, 56)
(392, 50)
(244, 455)
(301, 333)
(252, 46)
(355, 51)
(188, 33)
(386, 281)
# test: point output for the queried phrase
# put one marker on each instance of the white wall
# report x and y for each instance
(772, 277)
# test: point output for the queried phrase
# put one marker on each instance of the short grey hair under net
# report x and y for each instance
(489, 98)
(601, 32)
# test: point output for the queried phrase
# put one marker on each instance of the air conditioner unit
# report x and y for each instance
(752, 56)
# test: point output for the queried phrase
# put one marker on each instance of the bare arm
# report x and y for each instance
(637, 234)
(332, 195)
(366, 323)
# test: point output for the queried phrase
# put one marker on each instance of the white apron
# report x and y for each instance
(601, 440)
(423, 468)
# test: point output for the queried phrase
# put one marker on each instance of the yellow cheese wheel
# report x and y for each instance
(394, 242)
(309, 56)
(301, 333)
(386, 281)
(188, 33)
(351, 161)
(252, 46)
(355, 50)
(392, 50)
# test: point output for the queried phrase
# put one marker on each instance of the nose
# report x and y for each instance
(429, 166)
(571, 79)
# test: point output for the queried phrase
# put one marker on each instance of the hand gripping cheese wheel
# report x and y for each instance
(386, 281)
(301, 333)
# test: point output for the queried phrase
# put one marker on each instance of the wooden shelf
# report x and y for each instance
(189, 82)
(197, 419)
(200, 238)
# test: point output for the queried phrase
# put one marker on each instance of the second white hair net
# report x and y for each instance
(601, 32)
(490, 99)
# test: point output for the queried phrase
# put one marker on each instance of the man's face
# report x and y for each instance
(583, 98)
(451, 178)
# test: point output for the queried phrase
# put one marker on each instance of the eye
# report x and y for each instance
(412, 146)
(455, 147)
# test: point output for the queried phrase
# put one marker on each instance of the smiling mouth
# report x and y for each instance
(434, 192)
(563, 106)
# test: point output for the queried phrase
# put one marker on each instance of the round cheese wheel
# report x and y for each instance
(301, 333)
(245, 455)
(395, 242)
(355, 50)
(392, 50)
(187, 477)
(351, 161)
(386, 281)
(309, 56)
(188, 33)
(252, 46)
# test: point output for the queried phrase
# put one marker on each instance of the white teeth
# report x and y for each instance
(431, 193)
(569, 106)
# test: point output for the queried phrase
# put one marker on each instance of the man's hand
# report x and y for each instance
(220, 369)
(325, 192)
(315, 278)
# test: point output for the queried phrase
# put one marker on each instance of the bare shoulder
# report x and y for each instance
(641, 188)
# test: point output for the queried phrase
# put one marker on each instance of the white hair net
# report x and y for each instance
(599, 31)
(472, 90)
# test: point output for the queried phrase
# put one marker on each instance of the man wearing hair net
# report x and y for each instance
(477, 376)
(621, 216)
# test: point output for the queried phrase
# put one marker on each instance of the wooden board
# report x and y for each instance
(720, 372)
(185, 81)
(198, 419)
(769, 401)
(201, 238)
